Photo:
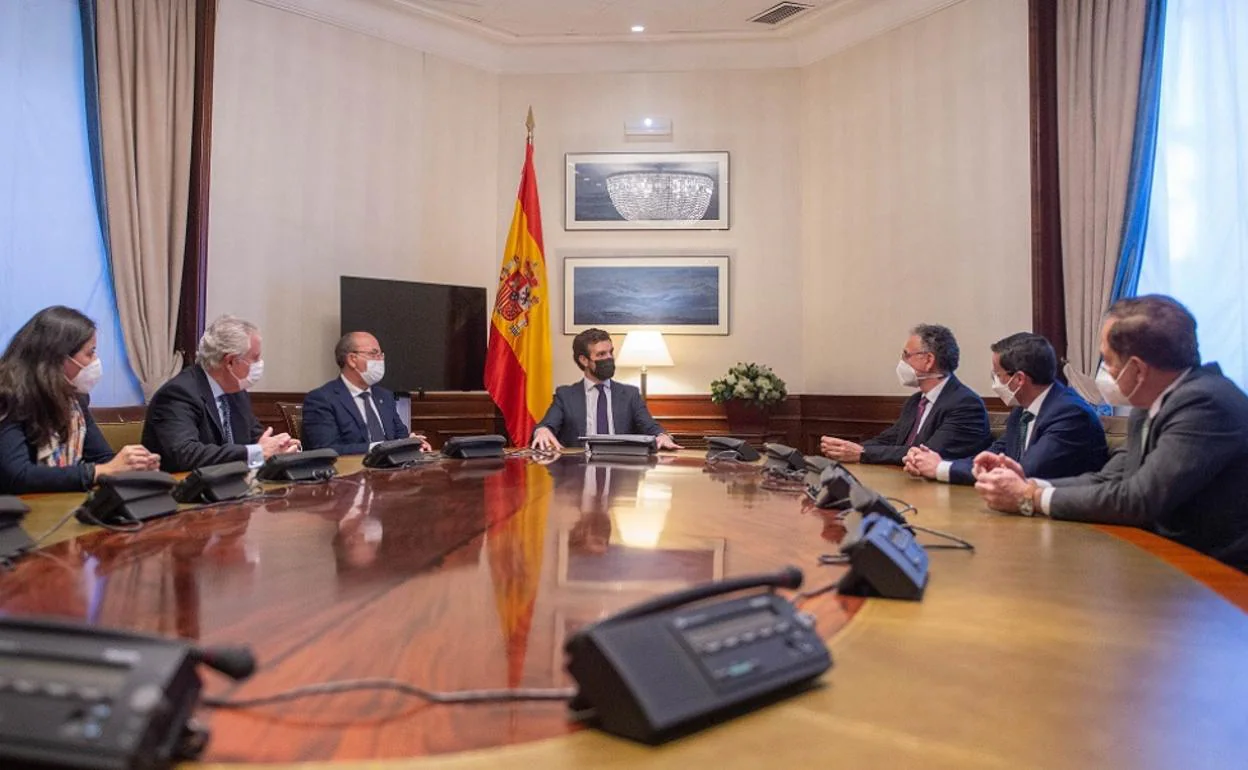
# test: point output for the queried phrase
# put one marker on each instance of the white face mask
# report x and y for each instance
(1002, 389)
(374, 372)
(254, 373)
(1108, 385)
(907, 375)
(88, 376)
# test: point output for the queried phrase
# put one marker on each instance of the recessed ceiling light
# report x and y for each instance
(638, 28)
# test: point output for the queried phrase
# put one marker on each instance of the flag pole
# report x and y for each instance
(528, 123)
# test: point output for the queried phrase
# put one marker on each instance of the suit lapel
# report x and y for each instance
(945, 394)
(348, 403)
(210, 402)
(619, 409)
(580, 423)
(1135, 436)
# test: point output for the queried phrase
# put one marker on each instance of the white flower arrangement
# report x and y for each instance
(749, 382)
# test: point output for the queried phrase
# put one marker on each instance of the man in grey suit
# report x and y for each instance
(1184, 470)
(597, 403)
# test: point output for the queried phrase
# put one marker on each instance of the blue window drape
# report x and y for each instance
(52, 248)
(1143, 154)
(1196, 248)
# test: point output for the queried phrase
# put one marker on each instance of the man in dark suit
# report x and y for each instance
(945, 415)
(351, 413)
(597, 403)
(1184, 470)
(203, 416)
(1051, 431)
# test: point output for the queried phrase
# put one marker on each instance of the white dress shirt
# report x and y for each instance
(591, 408)
(255, 455)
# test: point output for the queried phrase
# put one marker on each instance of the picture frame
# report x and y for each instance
(671, 292)
(647, 191)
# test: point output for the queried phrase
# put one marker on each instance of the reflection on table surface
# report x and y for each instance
(463, 574)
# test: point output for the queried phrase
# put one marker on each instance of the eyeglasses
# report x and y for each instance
(374, 353)
(905, 354)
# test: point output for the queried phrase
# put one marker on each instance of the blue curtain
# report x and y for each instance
(51, 244)
(1143, 155)
(1197, 246)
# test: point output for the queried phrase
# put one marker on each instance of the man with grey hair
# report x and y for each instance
(203, 415)
(945, 416)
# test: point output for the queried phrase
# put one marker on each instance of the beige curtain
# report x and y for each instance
(146, 80)
(1099, 48)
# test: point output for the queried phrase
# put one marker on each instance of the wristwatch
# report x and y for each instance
(1026, 506)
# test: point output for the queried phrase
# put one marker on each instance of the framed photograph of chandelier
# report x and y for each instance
(669, 292)
(646, 191)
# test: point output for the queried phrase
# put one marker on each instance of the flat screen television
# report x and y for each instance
(433, 334)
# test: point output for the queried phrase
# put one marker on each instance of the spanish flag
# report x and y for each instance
(517, 363)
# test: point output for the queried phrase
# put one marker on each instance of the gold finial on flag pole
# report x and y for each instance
(528, 123)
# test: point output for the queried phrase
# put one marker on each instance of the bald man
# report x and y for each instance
(351, 414)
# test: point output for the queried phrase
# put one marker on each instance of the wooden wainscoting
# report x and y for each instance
(799, 421)
(439, 416)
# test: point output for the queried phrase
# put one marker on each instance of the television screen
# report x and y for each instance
(433, 334)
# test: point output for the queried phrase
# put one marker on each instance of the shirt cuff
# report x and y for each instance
(255, 456)
(1042, 483)
(942, 470)
(1046, 498)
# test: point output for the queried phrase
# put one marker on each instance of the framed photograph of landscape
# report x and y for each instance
(646, 191)
(678, 293)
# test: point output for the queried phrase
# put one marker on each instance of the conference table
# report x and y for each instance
(1052, 644)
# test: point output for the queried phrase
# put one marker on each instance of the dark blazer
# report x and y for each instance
(1188, 482)
(184, 428)
(1066, 440)
(20, 475)
(331, 418)
(956, 427)
(566, 416)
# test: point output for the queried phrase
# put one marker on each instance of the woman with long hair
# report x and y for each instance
(48, 440)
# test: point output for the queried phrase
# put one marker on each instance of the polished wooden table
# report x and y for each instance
(1053, 645)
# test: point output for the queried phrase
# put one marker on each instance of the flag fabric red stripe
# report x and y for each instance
(517, 366)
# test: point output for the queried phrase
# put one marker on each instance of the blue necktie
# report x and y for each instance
(375, 431)
(227, 430)
(604, 423)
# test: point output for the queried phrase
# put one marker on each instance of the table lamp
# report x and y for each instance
(643, 349)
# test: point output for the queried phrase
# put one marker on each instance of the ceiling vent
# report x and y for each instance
(781, 12)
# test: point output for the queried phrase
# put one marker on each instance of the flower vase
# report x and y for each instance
(746, 416)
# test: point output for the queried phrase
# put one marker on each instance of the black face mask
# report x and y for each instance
(604, 368)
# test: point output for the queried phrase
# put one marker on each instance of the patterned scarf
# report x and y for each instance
(62, 454)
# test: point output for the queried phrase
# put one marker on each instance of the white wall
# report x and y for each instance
(338, 153)
(883, 186)
(752, 115)
(915, 195)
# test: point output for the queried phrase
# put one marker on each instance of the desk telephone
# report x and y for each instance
(676, 663)
(77, 696)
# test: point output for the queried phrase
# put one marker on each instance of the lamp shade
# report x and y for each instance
(643, 348)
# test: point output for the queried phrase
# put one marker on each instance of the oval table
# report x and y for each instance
(1052, 645)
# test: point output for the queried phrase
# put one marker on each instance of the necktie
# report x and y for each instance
(918, 420)
(227, 429)
(604, 422)
(1020, 441)
(375, 431)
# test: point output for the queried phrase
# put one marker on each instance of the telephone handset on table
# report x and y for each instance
(679, 662)
(79, 696)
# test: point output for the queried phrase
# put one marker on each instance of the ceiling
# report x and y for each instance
(586, 20)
